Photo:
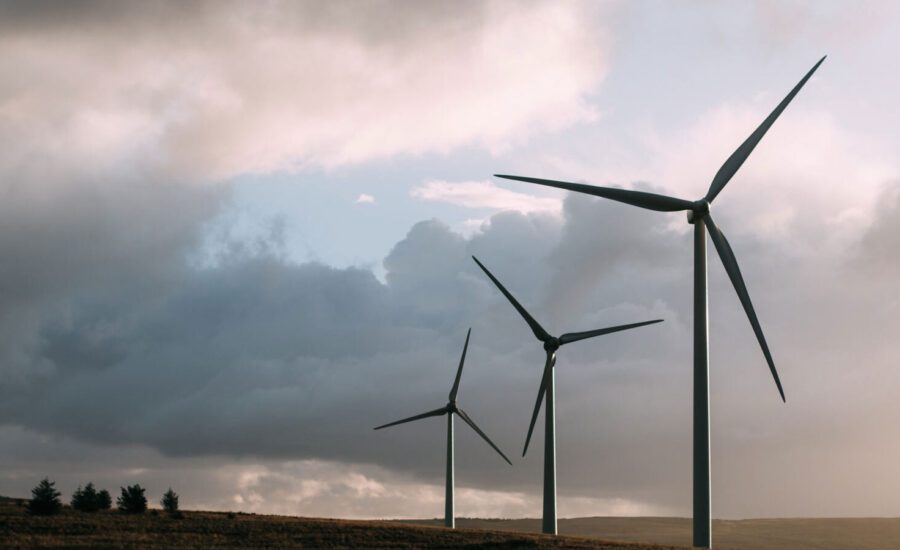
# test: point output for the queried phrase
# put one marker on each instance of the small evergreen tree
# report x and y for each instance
(170, 503)
(104, 500)
(132, 500)
(44, 499)
(87, 499)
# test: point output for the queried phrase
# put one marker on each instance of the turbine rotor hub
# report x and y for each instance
(698, 211)
(552, 344)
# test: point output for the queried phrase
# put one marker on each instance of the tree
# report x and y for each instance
(170, 503)
(90, 500)
(132, 500)
(104, 500)
(44, 499)
(87, 499)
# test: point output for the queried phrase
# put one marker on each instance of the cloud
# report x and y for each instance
(258, 360)
(216, 90)
(781, 24)
(805, 150)
(302, 487)
(485, 194)
(261, 359)
(106, 163)
(253, 371)
(364, 198)
(877, 247)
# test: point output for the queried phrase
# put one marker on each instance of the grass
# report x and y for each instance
(111, 529)
(744, 534)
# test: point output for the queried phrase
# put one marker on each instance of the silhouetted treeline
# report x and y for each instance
(45, 500)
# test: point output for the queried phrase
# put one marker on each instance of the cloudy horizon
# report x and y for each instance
(238, 236)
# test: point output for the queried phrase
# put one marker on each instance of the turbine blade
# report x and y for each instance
(536, 328)
(737, 158)
(435, 412)
(650, 201)
(462, 359)
(575, 336)
(471, 422)
(545, 379)
(734, 273)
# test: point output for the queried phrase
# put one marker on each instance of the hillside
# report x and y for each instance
(223, 530)
(111, 529)
(746, 534)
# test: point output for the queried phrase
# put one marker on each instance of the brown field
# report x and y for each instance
(747, 534)
(110, 529)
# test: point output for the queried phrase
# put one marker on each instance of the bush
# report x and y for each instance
(170, 503)
(132, 500)
(104, 500)
(44, 499)
(87, 499)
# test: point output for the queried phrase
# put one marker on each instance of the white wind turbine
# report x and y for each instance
(546, 391)
(698, 214)
(450, 409)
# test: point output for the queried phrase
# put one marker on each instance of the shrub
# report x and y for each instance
(104, 500)
(44, 499)
(132, 500)
(170, 503)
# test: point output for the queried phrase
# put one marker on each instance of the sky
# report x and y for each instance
(236, 236)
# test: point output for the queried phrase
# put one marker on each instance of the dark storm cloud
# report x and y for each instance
(116, 121)
(257, 356)
(376, 20)
(73, 256)
(262, 357)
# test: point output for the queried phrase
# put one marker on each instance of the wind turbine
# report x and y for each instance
(698, 215)
(551, 344)
(449, 409)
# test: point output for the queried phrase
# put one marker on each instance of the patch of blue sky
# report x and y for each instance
(319, 218)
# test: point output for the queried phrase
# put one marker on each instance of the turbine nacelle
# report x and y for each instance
(698, 210)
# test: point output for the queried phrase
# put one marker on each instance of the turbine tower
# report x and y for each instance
(551, 344)
(450, 409)
(698, 214)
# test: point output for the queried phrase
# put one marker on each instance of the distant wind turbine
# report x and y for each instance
(551, 344)
(449, 409)
(698, 214)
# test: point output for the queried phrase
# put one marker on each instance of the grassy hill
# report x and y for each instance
(111, 529)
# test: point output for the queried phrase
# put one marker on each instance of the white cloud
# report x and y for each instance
(484, 194)
(314, 487)
(809, 180)
(246, 88)
(365, 198)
